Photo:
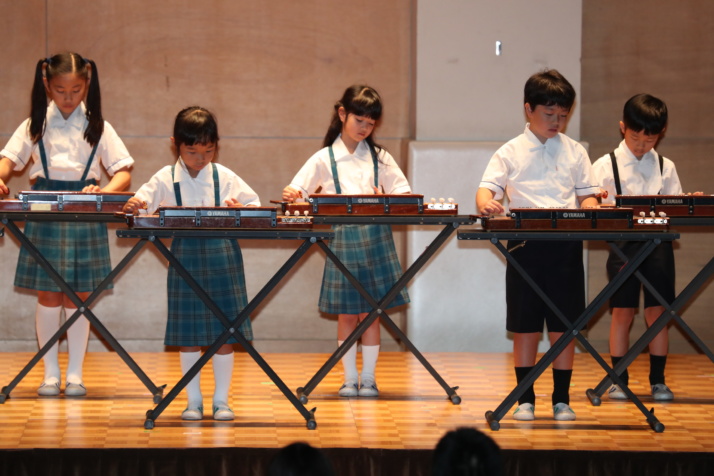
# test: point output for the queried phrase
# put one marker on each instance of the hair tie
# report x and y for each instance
(48, 60)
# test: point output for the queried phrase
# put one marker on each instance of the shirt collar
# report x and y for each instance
(77, 120)
(340, 150)
(551, 146)
(181, 172)
(648, 157)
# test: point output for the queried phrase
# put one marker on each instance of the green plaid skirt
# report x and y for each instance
(217, 266)
(368, 252)
(79, 252)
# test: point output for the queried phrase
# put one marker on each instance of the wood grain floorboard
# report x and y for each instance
(412, 412)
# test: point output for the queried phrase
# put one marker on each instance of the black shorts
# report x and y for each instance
(557, 268)
(657, 268)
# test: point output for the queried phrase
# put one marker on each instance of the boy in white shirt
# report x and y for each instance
(542, 168)
(635, 168)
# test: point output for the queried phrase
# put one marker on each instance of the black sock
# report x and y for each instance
(625, 377)
(561, 386)
(529, 395)
(657, 363)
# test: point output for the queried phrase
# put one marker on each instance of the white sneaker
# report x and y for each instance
(368, 388)
(222, 412)
(74, 390)
(563, 412)
(616, 393)
(348, 389)
(49, 388)
(662, 393)
(524, 412)
(192, 413)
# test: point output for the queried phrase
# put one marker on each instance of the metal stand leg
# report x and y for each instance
(377, 311)
(82, 309)
(231, 331)
(493, 417)
(669, 314)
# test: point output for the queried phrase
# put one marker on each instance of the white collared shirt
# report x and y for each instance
(637, 176)
(533, 174)
(66, 148)
(355, 171)
(195, 192)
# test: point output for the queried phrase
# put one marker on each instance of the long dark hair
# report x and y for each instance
(63, 63)
(359, 100)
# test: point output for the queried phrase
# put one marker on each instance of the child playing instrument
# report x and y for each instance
(68, 141)
(351, 163)
(542, 168)
(635, 168)
(216, 264)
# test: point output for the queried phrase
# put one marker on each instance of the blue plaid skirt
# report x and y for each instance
(368, 252)
(217, 266)
(79, 252)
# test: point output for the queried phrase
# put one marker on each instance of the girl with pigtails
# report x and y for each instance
(352, 163)
(68, 143)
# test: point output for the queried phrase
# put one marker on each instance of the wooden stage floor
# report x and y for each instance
(412, 412)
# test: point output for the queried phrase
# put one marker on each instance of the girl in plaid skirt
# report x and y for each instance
(216, 264)
(69, 142)
(351, 163)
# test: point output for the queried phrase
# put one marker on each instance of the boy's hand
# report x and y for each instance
(133, 204)
(492, 207)
(3, 188)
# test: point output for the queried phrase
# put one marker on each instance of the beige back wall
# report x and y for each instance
(665, 49)
(270, 71)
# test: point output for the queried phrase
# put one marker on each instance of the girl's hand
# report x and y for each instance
(492, 207)
(290, 194)
(232, 202)
(376, 190)
(133, 204)
(603, 193)
(3, 188)
(91, 189)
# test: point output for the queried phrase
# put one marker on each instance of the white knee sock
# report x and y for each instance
(349, 363)
(47, 323)
(77, 337)
(370, 353)
(193, 389)
(222, 375)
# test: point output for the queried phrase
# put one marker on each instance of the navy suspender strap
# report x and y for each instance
(616, 173)
(335, 177)
(216, 187)
(43, 158)
(89, 162)
(375, 161)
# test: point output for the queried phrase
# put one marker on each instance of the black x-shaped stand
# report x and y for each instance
(670, 313)
(450, 224)
(231, 326)
(8, 219)
(649, 241)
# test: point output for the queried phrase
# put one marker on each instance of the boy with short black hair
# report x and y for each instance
(542, 168)
(635, 168)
